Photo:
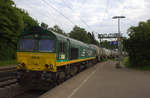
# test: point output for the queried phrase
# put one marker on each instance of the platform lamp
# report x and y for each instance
(119, 39)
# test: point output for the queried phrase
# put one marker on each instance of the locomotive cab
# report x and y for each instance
(36, 53)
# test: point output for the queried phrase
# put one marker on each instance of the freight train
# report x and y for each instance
(45, 57)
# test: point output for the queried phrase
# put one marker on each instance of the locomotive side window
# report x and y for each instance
(27, 44)
(74, 53)
(62, 47)
(62, 50)
(46, 45)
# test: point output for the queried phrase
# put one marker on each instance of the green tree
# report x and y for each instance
(80, 34)
(106, 44)
(44, 25)
(12, 22)
(92, 38)
(137, 45)
(28, 21)
(57, 29)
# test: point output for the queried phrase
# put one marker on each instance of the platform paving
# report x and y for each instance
(104, 81)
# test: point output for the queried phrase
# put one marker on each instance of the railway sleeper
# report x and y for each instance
(7, 83)
(7, 78)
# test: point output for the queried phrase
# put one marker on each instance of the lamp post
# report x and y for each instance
(119, 37)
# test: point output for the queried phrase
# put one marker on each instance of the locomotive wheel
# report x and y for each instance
(91, 63)
(68, 75)
(74, 70)
(61, 77)
(87, 64)
(71, 71)
(24, 81)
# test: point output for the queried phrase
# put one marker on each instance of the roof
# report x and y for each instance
(39, 30)
(72, 41)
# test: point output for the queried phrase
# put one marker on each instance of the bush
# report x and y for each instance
(8, 62)
(138, 46)
(126, 62)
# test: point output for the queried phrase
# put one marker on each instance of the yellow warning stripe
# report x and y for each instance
(73, 61)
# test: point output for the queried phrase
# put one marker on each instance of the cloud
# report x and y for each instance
(96, 13)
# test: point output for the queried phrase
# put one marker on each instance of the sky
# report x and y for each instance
(93, 15)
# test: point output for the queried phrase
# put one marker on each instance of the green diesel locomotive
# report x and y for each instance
(46, 57)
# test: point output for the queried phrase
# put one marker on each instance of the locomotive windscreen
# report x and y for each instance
(42, 45)
(27, 44)
(46, 45)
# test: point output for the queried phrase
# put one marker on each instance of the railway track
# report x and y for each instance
(7, 68)
(7, 72)
(7, 76)
(7, 80)
(11, 91)
(30, 94)
(9, 87)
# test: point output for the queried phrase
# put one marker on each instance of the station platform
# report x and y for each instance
(104, 81)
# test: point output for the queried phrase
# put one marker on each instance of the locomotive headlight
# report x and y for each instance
(19, 64)
(23, 64)
(51, 66)
(36, 35)
(46, 65)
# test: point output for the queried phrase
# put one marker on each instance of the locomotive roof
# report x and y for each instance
(39, 30)
(73, 41)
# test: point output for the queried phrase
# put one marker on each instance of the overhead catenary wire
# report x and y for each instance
(105, 11)
(123, 11)
(54, 8)
(49, 12)
(47, 16)
(79, 17)
(58, 11)
(107, 6)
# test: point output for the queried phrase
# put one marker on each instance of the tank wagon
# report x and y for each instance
(99, 52)
(105, 53)
(45, 57)
(114, 53)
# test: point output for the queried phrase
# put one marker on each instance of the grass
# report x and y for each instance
(114, 59)
(104, 60)
(118, 65)
(8, 63)
(144, 68)
(127, 64)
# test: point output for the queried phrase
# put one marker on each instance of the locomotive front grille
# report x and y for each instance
(37, 61)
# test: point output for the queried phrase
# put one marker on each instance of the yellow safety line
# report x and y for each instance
(73, 61)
